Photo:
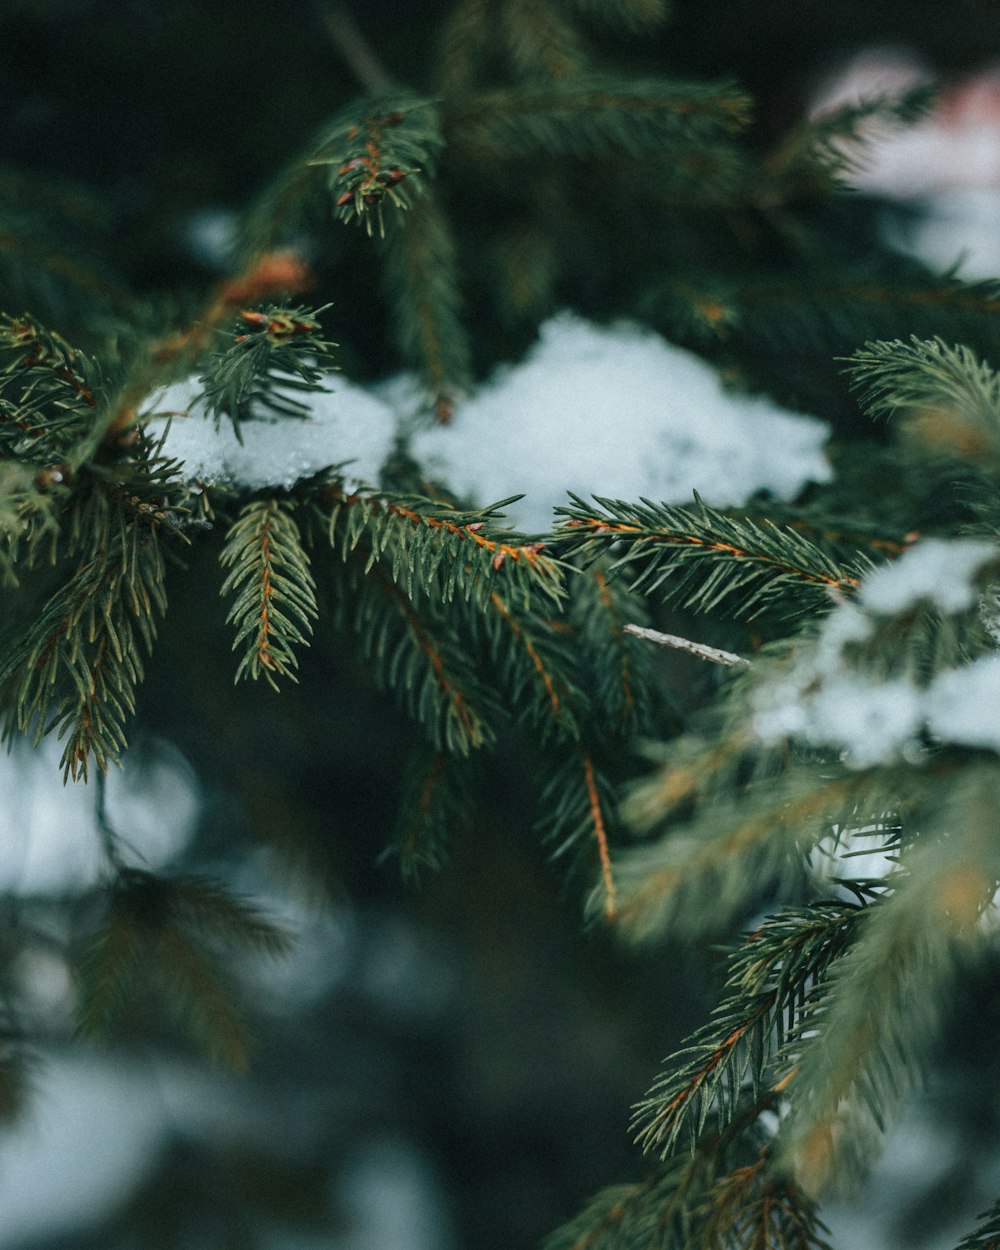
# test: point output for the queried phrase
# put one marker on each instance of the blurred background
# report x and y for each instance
(442, 1067)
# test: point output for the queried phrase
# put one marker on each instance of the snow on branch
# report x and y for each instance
(862, 685)
(612, 409)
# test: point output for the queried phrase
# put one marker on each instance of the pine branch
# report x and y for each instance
(206, 907)
(48, 393)
(692, 768)
(987, 1235)
(276, 356)
(753, 1208)
(657, 1213)
(824, 151)
(829, 309)
(421, 282)
(617, 664)
(596, 115)
(29, 502)
(164, 930)
(705, 560)
(532, 661)
(264, 274)
(539, 40)
(440, 552)
(371, 149)
(467, 35)
(196, 985)
(274, 587)
(948, 398)
(709, 872)
(670, 1208)
(768, 978)
(416, 654)
(76, 668)
(436, 800)
(576, 805)
(866, 1043)
(822, 521)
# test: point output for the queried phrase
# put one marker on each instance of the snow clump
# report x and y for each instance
(345, 424)
(619, 411)
(827, 702)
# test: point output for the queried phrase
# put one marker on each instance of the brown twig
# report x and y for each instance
(715, 654)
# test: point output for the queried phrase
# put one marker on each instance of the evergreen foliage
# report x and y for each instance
(851, 730)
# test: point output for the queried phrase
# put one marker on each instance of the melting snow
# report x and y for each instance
(989, 611)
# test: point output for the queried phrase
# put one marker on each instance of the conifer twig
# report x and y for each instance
(700, 649)
(601, 837)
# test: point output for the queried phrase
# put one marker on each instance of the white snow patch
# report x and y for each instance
(870, 721)
(963, 705)
(938, 571)
(96, 1128)
(957, 144)
(392, 1198)
(618, 411)
(344, 424)
(621, 412)
(989, 611)
(849, 852)
(825, 701)
(211, 235)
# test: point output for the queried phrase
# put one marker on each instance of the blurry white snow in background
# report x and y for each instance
(614, 410)
(96, 1130)
(211, 236)
(49, 837)
(935, 571)
(392, 1199)
(93, 1132)
(920, 1153)
(947, 166)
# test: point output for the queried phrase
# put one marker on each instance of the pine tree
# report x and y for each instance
(546, 155)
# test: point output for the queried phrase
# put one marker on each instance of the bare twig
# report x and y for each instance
(353, 46)
(717, 656)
